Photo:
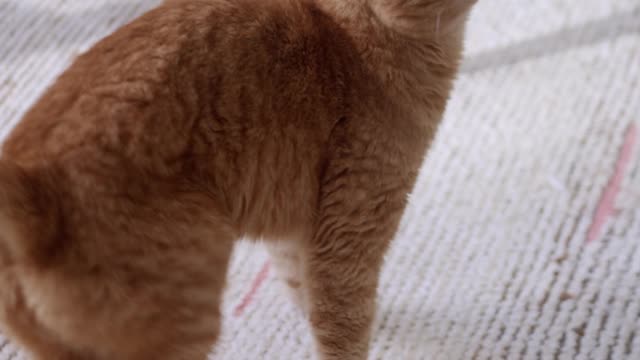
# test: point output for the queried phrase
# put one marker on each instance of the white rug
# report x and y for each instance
(522, 240)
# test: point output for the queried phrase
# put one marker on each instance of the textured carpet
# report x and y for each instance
(522, 240)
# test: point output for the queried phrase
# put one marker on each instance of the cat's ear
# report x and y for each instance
(423, 18)
(28, 223)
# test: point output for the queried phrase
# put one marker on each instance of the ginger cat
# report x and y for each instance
(300, 122)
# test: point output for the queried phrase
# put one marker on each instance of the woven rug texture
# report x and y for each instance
(522, 238)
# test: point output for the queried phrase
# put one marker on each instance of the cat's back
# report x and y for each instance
(238, 97)
(186, 67)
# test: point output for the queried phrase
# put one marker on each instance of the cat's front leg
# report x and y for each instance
(288, 258)
(361, 204)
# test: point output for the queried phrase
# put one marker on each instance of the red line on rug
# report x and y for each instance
(257, 282)
(606, 206)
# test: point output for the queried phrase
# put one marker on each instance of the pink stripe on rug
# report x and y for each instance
(257, 282)
(606, 206)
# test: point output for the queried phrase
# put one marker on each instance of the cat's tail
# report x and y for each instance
(423, 18)
(28, 223)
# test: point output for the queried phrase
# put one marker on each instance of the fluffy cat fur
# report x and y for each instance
(300, 122)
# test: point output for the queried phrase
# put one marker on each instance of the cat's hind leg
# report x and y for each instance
(41, 344)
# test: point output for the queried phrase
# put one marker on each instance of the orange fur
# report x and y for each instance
(303, 123)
